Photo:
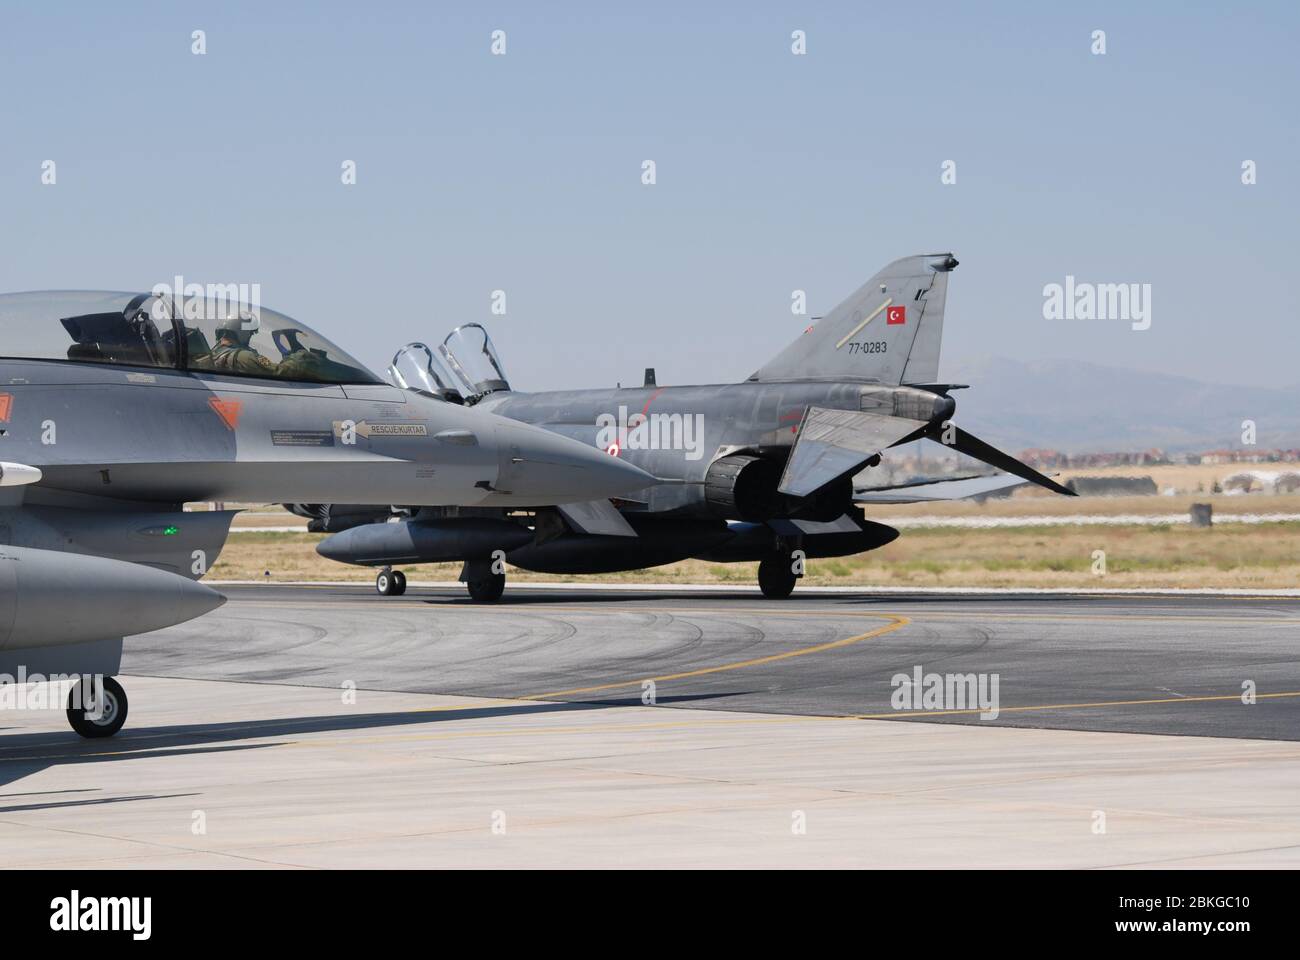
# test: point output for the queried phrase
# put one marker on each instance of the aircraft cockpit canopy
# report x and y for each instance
(139, 334)
(154, 330)
(470, 356)
(414, 367)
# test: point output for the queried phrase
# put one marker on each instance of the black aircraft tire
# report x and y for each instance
(384, 584)
(488, 589)
(775, 578)
(112, 717)
(399, 583)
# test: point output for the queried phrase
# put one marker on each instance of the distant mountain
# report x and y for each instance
(1083, 407)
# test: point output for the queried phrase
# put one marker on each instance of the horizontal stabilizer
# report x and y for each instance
(938, 489)
(597, 517)
(958, 439)
(833, 443)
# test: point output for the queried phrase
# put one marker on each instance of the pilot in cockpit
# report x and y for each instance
(234, 353)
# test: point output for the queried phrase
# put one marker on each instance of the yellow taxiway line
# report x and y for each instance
(907, 714)
(895, 623)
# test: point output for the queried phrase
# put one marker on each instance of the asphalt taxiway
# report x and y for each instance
(328, 726)
(1140, 664)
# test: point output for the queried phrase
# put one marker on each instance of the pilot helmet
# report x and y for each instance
(239, 327)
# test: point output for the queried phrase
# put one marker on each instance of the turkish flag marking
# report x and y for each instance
(896, 315)
(6, 402)
(227, 410)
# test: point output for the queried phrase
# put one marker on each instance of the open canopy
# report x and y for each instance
(415, 367)
(469, 354)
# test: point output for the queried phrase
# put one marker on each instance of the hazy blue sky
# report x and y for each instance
(775, 172)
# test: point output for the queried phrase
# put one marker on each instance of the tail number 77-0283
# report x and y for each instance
(869, 346)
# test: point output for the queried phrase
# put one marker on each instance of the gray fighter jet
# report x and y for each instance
(116, 409)
(756, 471)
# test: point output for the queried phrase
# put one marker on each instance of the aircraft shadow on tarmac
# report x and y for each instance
(523, 599)
(98, 801)
(15, 765)
(25, 754)
(526, 598)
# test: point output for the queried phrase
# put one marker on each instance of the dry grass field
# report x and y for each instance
(1230, 555)
(1250, 556)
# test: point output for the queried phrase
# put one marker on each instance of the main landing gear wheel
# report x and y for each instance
(93, 720)
(390, 583)
(776, 578)
(487, 589)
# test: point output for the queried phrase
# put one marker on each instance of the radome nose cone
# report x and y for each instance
(613, 471)
(556, 469)
(195, 599)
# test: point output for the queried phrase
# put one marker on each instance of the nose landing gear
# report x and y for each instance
(91, 717)
(390, 582)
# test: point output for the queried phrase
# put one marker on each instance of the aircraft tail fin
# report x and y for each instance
(889, 331)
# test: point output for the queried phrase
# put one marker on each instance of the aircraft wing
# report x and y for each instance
(835, 442)
(931, 490)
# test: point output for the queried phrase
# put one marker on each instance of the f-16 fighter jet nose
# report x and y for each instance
(193, 599)
(612, 476)
(541, 467)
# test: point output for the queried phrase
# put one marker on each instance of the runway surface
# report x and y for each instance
(1168, 665)
(328, 727)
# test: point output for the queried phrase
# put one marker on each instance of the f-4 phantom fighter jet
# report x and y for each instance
(754, 471)
(116, 409)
